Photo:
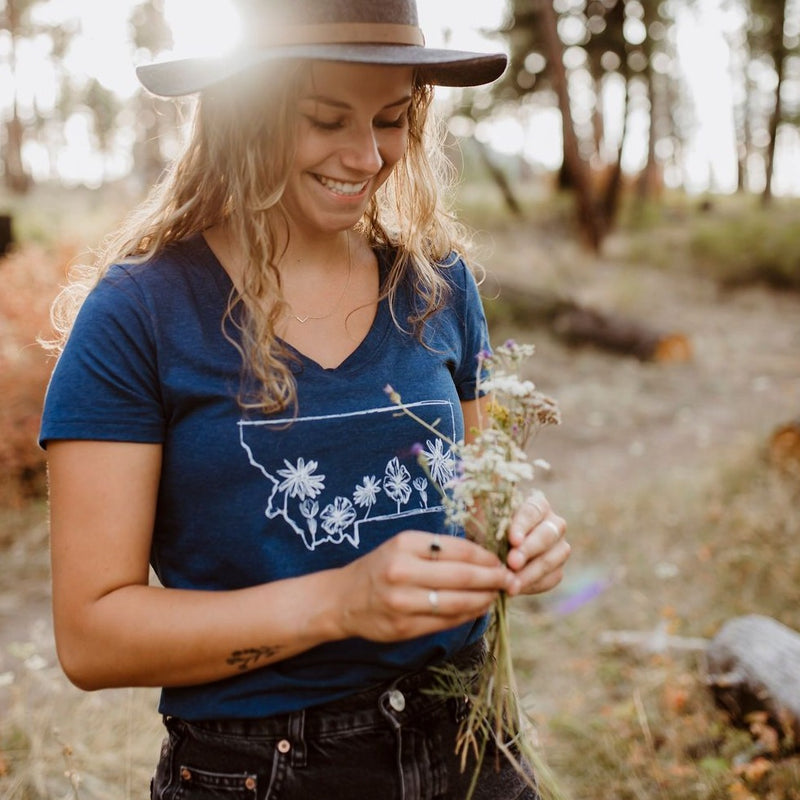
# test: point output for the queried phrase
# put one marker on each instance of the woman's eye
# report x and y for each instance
(391, 123)
(335, 125)
(323, 125)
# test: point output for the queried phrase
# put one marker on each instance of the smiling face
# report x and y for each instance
(352, 129)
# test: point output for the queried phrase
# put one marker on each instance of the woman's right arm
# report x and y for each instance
(113, 629)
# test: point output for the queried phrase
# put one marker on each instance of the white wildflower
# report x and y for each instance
(483, 486)
(509, 385)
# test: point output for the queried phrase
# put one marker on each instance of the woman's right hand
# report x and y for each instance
(406, 588)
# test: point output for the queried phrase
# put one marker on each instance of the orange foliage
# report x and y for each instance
(30, 278)
(738, 791)
(754, 771)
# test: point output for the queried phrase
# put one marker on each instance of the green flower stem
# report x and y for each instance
(394, 396)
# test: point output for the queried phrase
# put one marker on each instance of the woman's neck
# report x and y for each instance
(300, 256)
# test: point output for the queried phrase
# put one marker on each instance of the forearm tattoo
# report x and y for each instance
(250, 658)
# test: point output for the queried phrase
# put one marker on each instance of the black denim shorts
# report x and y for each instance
(392, 742)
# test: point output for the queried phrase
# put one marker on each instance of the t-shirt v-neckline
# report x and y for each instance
(362, 354)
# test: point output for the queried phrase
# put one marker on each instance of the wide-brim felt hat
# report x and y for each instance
(353, 31)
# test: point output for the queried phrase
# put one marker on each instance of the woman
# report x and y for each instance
(218, 412)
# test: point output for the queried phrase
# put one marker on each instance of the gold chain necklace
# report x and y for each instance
(307, 317)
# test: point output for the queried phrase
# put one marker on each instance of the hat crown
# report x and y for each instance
(350, 31)
(321, 12)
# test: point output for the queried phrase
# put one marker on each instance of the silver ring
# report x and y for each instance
(435, 547)
(552, 525)
(433, 599)
(531, 502)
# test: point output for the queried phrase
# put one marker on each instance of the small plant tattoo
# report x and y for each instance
(250, 658)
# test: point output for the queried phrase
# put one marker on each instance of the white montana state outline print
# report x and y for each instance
(300, 491)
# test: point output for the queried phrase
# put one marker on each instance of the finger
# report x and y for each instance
(442, 547)
(546, 583)
(448, 604)
(460, 565)
(545, 571)
(461, 576)
(539, 540)
(531, 512)
(537, 501)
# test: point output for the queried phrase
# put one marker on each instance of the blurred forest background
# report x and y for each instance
(662, 292)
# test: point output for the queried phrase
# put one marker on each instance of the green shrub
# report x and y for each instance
(757, 246)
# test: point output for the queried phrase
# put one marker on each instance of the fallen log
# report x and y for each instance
(784, 446)
(577, 325)
(652, 642)
(753, 664)
(589, 326)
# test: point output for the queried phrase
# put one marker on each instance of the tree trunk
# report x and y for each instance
(741, 114)
(588, 219)
(16, 178)
(613, 190)
(779, 57)
(500, 179)
(754, 665)
(598, 123)
(6, 234)
(648, 180)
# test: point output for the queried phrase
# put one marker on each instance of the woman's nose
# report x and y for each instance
(363, 152)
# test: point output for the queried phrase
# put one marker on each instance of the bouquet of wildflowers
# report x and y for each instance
(494, 472)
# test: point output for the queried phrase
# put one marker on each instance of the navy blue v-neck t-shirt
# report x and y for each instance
(246, 498)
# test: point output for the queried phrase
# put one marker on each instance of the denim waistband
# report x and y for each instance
(408, 696)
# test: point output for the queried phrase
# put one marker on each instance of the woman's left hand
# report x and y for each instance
(538, 547)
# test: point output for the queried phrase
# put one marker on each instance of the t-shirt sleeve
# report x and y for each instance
(475, 334)
(105, 383)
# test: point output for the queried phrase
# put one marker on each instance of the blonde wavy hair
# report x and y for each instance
(237, 159)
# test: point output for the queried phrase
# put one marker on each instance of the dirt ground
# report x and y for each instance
(630, 428)
(627, 425)
(625, 421)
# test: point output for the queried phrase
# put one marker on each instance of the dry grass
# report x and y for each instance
(56, 741)
(677, 559)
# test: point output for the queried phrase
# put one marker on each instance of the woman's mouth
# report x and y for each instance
(342, 187)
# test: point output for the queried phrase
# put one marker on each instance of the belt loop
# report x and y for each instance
(171, 723)
(297, 723)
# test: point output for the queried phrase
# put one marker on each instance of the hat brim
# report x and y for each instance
(439, 67)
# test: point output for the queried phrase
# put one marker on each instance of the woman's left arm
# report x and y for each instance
(539, 549)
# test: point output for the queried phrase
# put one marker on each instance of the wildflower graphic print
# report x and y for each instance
(328, 493)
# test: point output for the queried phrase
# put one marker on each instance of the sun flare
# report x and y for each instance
(211, 32)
